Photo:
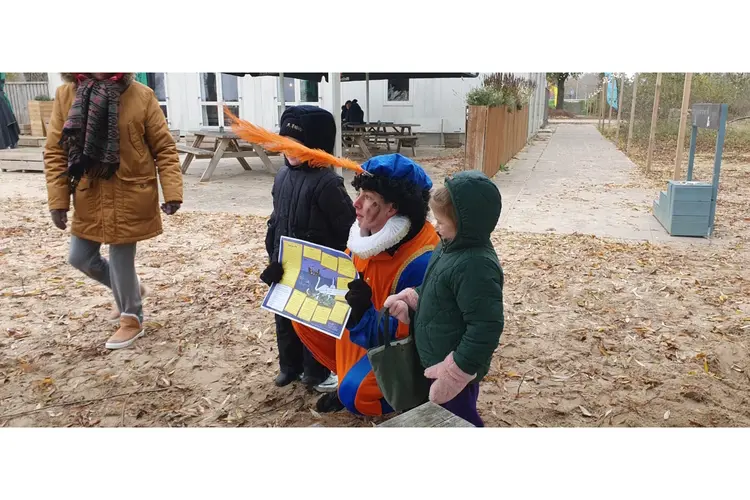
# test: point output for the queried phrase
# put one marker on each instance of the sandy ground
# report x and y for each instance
(598, 332)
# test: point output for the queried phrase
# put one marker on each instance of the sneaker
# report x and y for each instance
(328, 385)
(329, 403)
(114, 314)
(130, 330)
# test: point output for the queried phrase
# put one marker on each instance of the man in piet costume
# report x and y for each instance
(391, 243)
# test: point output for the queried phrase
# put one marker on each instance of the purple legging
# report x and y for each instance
(465, 405)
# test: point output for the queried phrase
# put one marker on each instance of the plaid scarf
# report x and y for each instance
(91, 135)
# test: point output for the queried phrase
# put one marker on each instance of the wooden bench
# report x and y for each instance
(427, 415)
(22, 160)
(198, 152)
(226, 145)
(407, 141)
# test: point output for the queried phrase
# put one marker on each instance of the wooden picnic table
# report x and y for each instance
(364, 135)
(228, 145)
(427, 415)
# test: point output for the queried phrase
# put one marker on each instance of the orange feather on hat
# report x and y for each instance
(280, 144)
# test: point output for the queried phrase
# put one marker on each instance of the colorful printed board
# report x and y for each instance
(316, 278)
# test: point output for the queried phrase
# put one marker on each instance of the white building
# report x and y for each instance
(194, 100)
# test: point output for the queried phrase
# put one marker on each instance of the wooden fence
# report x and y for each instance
(494, 136)
(20, 93)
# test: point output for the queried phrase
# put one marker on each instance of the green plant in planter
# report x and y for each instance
(502, 89)
(42, 98)
(485, 96)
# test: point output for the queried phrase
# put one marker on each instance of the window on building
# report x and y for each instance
(218, 90)
(398, 90)
(298, 92)
(290, 90)
(158, 83)
(308, 91)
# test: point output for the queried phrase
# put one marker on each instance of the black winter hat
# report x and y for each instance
(312, 126)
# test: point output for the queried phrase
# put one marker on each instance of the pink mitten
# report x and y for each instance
(450, 380)
(408, 295)
(400, 311)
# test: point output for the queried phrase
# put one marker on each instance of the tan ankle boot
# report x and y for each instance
(114, 314)
(130, 330)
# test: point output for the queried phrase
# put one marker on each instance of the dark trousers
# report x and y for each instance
(465, 405)
(294, 357)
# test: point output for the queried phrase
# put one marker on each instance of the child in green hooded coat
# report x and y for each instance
(458, 308)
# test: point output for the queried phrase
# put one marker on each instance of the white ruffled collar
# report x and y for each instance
(368, 246)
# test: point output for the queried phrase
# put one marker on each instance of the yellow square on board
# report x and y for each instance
(295, 302)
(312, 253)
(290, 277)
(291, 255)
(308, 309)
(338, 314)
(321, 315)
(329, 261)
(343, 283)
(346, 268)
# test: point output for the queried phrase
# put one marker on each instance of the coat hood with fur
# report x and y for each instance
(127, 78)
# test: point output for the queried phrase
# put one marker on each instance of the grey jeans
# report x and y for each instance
(118, 273)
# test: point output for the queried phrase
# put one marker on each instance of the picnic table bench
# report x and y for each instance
(228, 145)
(367, 135)
(426, 415)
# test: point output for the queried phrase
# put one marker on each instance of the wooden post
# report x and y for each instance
(683, 123)
(654, 119)
(609, 121)
(619, 109)
(603, 101)
(631, 120)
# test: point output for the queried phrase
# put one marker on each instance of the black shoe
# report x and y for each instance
(285, 378)
(329, 403)
(311, 382)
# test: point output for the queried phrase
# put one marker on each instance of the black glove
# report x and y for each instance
(272, 274)
(359, 298)
(171, 207)
(59, 218)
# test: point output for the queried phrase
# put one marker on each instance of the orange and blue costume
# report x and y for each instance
(391, 260)
(386, 274)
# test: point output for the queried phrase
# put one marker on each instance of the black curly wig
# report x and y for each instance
(407, 198)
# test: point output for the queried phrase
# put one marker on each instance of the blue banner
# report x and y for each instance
(611, 90)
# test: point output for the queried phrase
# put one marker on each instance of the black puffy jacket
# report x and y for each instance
(310, 204)
(356, 115)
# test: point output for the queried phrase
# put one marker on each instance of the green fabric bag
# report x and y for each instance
(397, 369)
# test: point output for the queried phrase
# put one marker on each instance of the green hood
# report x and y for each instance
(477, 202)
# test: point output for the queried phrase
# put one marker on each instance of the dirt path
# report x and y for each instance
(602, 333)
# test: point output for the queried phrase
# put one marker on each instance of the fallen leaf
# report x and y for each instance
(585, 412)
(666, 415)
(315, 413)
